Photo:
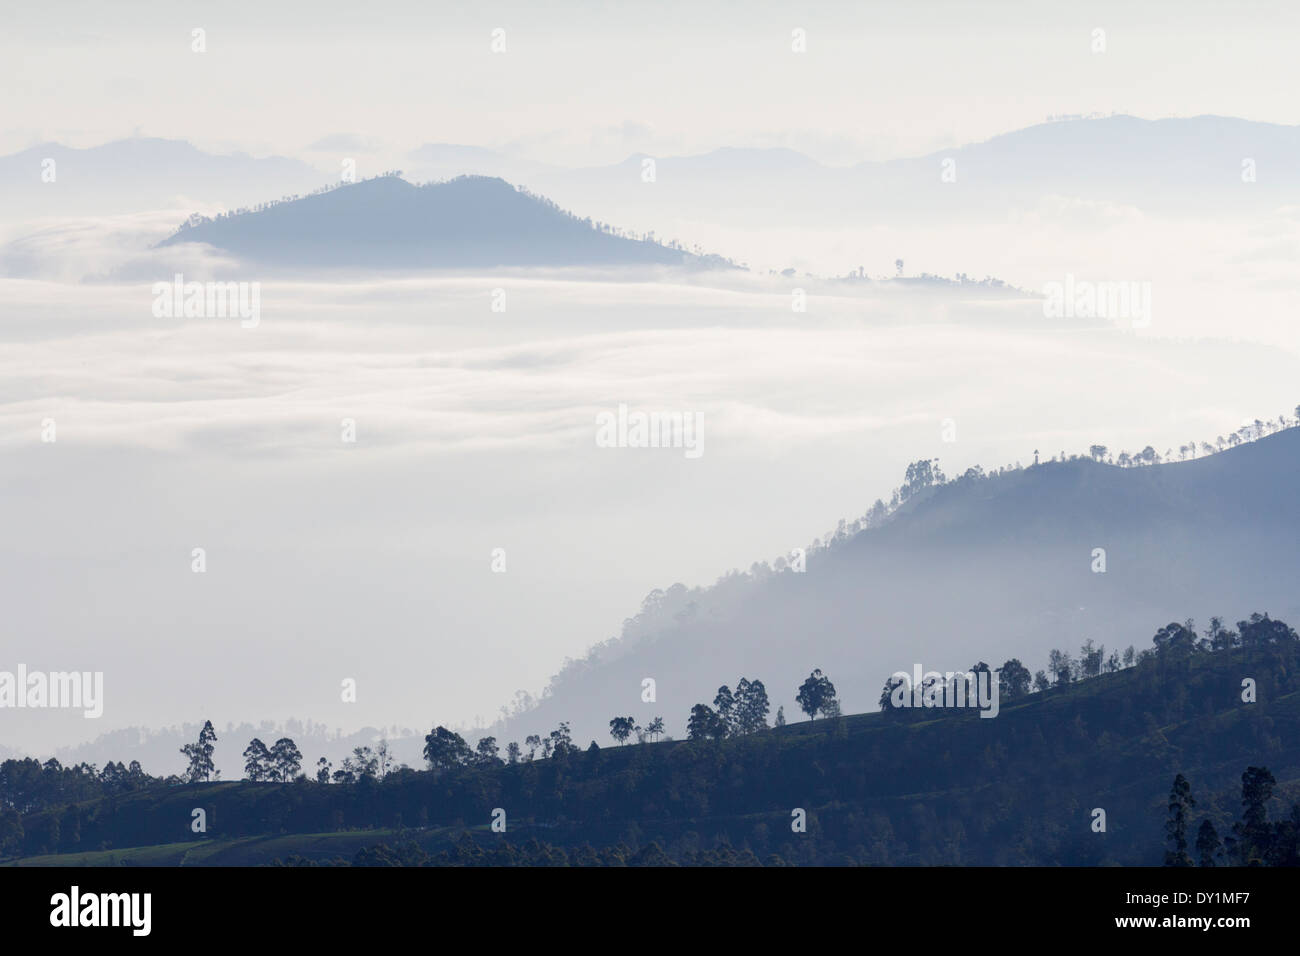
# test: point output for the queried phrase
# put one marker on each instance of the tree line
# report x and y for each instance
(1252, 840)
(882, 790)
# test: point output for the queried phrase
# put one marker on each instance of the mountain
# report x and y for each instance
(1173, 167)
(978, 568)
(142, 173)
(387, 222)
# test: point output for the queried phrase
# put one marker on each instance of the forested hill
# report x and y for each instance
(388, 223)
(978, 567)
(897, 787)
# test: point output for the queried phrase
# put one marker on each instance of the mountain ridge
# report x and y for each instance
(899, 787)
(1017, 547)
(387, 222)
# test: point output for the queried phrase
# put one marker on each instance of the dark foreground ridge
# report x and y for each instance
(899, 787)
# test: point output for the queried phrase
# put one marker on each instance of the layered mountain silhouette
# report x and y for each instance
(1181, 166)
(132, 175)
(387, 222)
(1197, 166)
(978, 568)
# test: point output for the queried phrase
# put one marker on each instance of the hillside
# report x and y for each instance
(925, 787)
(979, 568)
(386, 222)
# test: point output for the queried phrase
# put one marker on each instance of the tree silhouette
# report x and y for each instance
(704, 724)
(1208, 848)
(655, 728)
(200, 755)
(445, 750)
(887, 693)
(724, 704)
(1250, 836)
(1060, 666)
(1014, 679)
(751, 707)
(620, 728)
(814, 694)
(362, 765)
(257, 761)
(1180, 802)
(285, 759)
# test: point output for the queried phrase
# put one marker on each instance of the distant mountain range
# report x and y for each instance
(386, 222)
(1204, 165)
(979, 568)
(132, 175)
(1180, 166)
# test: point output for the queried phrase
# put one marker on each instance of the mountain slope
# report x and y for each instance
(470, 222)
(977, 569)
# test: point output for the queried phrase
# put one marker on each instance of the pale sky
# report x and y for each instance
(583, 82)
